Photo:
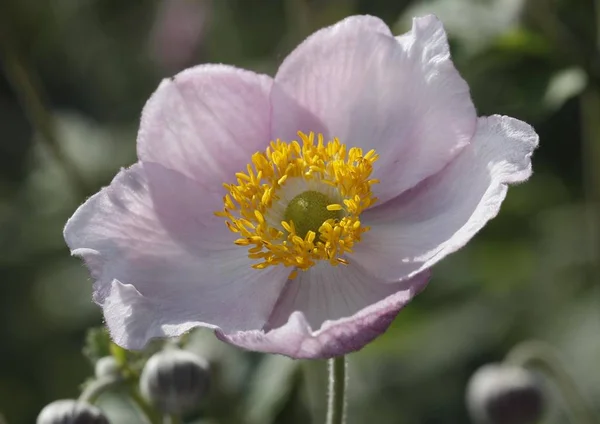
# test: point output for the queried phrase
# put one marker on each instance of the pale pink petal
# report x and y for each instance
(440, 215)
(192, 273)
(289, 117)
(327, 312)
(130, 317)
(206, 122)
(133, 319)
(401, 96)
(129, 216)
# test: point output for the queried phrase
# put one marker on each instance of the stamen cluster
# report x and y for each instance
(274, 241)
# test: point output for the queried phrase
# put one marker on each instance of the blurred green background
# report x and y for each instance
(75, 75)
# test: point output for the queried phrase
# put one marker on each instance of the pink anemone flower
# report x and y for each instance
(298, 214)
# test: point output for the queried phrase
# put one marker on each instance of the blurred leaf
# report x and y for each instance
(570, 329)
(118, 353)
(314, 383)
(522, 41)
(564, 86)
(119, 409)
(272, 384)
(95, 149)
(97, 344)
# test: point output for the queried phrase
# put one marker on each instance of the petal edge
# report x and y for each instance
(297, 340)
(439, 216)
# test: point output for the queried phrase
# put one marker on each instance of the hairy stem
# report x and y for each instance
(93, 391)
(336, 402)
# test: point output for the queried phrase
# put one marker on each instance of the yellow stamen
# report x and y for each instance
(328, 233)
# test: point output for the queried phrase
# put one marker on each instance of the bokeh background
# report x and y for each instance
(75, 75)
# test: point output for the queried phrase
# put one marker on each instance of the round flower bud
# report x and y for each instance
(68, 411)
(106, 367)
(175, 381)
(504, 394)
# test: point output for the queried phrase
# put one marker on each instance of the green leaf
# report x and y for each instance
(97, 344)
(119, 354)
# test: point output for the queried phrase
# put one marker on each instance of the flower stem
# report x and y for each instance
(95, 389)
(336, 402)
(149, 413)
(539, 355)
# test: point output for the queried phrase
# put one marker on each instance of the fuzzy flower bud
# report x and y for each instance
(106, 367)
(175, 381)
(504, 394)
(68, 411)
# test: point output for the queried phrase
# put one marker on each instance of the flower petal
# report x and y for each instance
(401, 96)
(347, 309)
(206, 122)
(439, 216)
(127, 233)
(133, 319)
(129, 217)
(129, 316)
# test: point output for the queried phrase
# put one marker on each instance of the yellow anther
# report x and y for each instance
(259, 217)
(331, 226)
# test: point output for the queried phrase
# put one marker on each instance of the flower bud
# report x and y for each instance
(106, 367)
(68, 411)
(504, 394)
(175, 381)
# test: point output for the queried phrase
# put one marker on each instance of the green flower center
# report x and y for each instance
(308, 211)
